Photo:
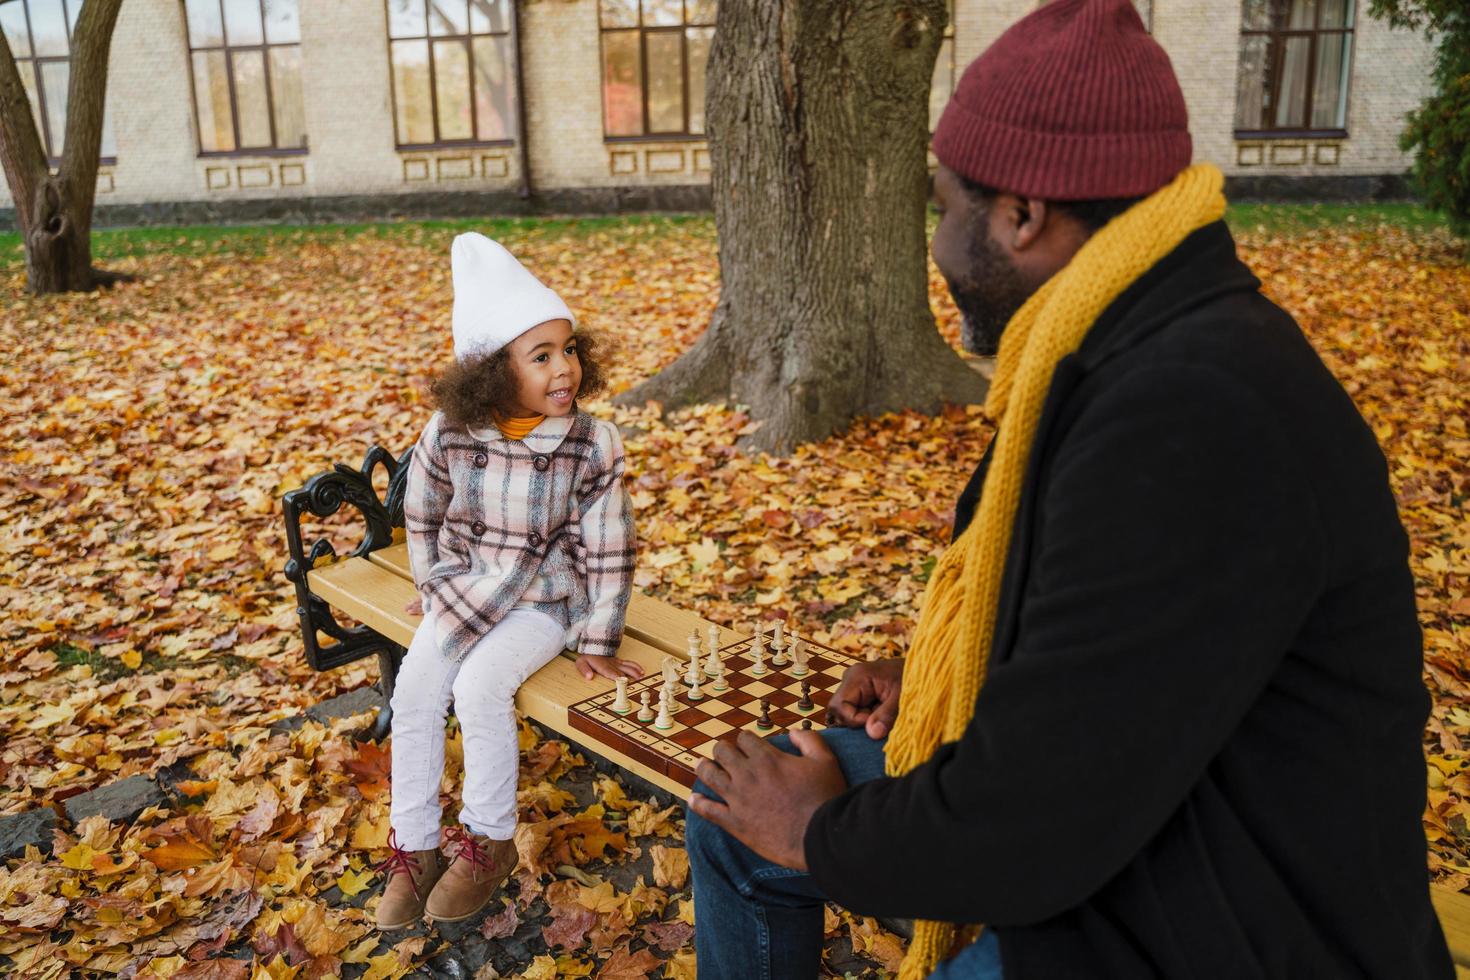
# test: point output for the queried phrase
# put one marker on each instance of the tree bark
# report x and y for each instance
(818, 128)
(55, 210)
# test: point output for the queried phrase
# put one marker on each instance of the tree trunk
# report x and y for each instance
(818, 126)
(55, 210)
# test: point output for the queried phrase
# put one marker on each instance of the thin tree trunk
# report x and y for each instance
(818, 126)
(55, 210)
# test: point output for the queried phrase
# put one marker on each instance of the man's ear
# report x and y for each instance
(1032, 215)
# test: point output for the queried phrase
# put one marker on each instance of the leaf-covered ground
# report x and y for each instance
(149, 431)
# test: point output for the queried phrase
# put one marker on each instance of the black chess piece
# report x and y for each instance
(764, 722)
(806, 724)
(805, 704)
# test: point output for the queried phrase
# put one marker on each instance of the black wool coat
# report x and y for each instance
(1197, 752)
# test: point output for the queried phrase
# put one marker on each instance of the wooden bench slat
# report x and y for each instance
(655, 622)
(1453, 909)
(375, 594)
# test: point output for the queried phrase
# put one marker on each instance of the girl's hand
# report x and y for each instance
(610, 667)
(415, 608)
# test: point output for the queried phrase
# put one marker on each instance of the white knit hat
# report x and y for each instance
(495, 298)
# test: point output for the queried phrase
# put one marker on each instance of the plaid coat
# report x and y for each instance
(494, 523)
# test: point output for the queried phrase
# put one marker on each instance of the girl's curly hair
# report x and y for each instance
(474, 391)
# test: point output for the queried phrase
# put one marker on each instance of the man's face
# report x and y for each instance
(985, 283)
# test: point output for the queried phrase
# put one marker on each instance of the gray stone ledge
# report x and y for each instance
(119, 801)
(33, 827)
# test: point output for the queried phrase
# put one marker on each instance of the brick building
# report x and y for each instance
(239, 109)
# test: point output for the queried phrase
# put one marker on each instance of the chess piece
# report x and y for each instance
(806, 724)
(720, 684)
(692, 673)
(764, 722)
(805, 704)
(671, 669)
(776, 634)
(778, 652)
(663, 722)
(758, 655)
(695, 694)
(666, 694)
(713, 660)
(645, 712)
(693, 652)
(621, 704)
(798, 655)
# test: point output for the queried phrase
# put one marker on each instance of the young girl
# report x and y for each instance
(520, 535)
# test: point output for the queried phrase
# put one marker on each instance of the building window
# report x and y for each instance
(943, 84)
(452, 71)
(1295, 62)
(39, 35)
(654, 54)
(245, 58)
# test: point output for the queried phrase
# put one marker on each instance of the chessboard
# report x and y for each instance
(720, 715)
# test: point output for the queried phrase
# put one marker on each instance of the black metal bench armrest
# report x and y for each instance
(322, 496)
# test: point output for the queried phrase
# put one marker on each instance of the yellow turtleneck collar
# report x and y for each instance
(518, 428)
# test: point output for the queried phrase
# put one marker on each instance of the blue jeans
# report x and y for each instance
(761, 921)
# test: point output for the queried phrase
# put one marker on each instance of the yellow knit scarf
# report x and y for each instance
(951, 646)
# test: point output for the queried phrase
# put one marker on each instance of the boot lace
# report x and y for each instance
(400, 862)
(467, 847)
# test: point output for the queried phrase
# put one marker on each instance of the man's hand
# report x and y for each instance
(610, 667)
(769, 795)
(867, 697)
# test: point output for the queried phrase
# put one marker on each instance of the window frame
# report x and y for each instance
(1276, 47)
(430, 38)
(642, 30)
(32, 62)
(264, 47)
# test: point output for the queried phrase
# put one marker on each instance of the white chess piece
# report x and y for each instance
(645, 712)
(776, 634)
(720, 684)
(758, 655)
(798, 655)
(671, 669)
(695, 694)
(620, 703)
(778, 652)
(712, 641)
(711, 662)
(664, 721)
(692, 672)
(666, 693)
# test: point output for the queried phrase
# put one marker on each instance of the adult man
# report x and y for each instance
(1178, 583)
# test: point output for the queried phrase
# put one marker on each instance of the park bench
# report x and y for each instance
(373, 584)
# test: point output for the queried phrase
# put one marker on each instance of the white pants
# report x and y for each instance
(483, 687)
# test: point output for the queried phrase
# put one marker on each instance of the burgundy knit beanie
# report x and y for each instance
(1074, 102)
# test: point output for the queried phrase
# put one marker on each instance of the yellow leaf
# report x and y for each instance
(670, 866)
(363, 950)
(386, 966)
(79, 858)
(705, 553)
(352, 882)
(132, 659)
(224, 552)
(601, 898)
(568, 965)
(542, 968)
(680, 966)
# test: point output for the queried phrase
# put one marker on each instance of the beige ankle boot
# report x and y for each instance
(480, 866)
(411, 877)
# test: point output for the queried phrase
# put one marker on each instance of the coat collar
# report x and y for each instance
(1203, 267)
(541, 440)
